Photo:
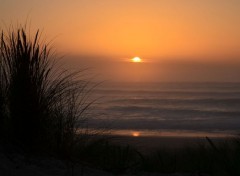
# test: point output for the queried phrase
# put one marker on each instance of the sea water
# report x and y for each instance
(170, 109)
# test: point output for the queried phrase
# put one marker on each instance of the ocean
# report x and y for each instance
(167, 109)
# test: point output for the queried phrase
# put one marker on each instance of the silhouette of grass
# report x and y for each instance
(227, 155)
(103, 154)
(3, 96)
(198, 159)
(44, 104)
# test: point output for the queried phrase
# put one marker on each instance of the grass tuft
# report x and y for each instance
(43, 106)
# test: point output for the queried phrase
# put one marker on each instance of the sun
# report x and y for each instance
(136, 59)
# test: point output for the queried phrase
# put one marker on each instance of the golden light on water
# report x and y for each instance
(135, 134)
(136, 59)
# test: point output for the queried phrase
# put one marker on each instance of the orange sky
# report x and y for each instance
(156, 30)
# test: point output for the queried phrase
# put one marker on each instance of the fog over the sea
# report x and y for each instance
(120, 69)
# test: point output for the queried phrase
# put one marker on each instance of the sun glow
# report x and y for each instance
(135, 134)
(136, 59)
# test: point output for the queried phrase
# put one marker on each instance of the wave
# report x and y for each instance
(174, 124)
(160, 101)
(170, 106)
(164, 113)
(169, 92)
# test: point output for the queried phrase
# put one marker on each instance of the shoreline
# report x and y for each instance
(153, 140)
(149, 144)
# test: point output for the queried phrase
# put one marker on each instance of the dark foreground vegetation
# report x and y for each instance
(220, 159)
(43, 107)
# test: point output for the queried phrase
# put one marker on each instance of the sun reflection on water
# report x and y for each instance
(135, 134)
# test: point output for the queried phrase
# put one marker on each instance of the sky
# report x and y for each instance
(177, 40)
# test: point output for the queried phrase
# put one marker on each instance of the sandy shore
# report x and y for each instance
(14, 164)
(18, 165)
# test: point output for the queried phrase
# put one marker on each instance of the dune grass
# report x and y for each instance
(3, 95)
(41, 105)
(220, 159)
(105, 155)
